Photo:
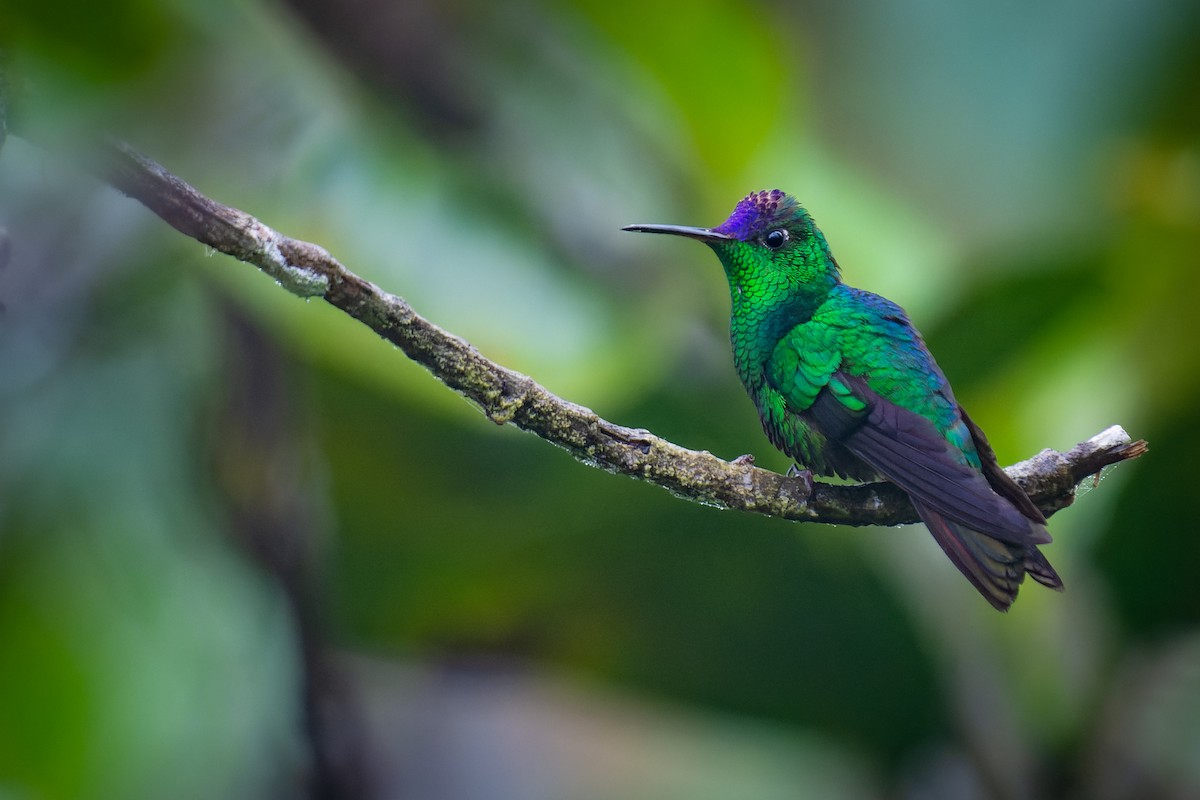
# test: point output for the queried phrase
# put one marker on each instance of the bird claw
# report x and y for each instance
(805, 477)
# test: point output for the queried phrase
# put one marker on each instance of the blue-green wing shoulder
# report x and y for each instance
(881, 346)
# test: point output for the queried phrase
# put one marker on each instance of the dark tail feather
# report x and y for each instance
(1040, 570)
(994, 567)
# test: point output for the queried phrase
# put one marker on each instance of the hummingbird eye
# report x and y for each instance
(775, 239)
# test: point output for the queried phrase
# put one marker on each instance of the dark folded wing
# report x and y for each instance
(908, 450)
(996, 476)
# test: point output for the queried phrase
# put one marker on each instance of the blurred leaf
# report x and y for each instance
(731, 94)
(47, 692)
(1149, 552)
(999, 320)
(117, 44)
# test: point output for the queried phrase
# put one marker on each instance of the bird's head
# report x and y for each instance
(769, 247)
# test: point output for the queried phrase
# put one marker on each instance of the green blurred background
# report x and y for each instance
(248, 550)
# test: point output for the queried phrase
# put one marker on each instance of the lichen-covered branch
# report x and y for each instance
(509, 397)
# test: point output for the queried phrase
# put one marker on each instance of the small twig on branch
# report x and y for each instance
(506, 396)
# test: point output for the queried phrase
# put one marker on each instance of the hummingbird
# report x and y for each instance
(845, 385)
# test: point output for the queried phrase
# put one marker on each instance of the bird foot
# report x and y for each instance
(744, 460)
(805, 477)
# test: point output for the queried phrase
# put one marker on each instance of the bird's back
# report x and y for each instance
(880, 345)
